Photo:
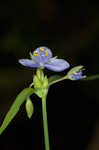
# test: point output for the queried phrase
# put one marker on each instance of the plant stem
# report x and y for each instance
(53, 82)
(45, 124)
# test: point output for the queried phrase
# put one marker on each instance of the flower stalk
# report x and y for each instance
(45, 124)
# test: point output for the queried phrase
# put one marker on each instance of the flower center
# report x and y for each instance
(42, 52)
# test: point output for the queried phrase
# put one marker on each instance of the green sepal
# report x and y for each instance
(29, 107)
(15, 107)
(53, 58)
(31, 56)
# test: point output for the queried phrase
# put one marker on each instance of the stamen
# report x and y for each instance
(42, 49)
(35, 53)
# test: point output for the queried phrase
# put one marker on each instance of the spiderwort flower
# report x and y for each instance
(42, 58)
(76, 75)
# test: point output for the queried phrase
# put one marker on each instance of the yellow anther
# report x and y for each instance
(42, 49)
(46, 52)
(35, 52)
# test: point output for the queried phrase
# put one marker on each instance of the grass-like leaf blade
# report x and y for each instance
(93, 77)
(15, 107)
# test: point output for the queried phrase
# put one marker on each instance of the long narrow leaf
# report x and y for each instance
(15, 107)
(93, 77)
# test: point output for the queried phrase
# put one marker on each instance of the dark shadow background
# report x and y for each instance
(71, 30)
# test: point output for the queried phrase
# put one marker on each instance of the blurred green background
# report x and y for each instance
(71, 30)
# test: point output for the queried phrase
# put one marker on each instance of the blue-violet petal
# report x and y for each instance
(28, 63)
(57, 65)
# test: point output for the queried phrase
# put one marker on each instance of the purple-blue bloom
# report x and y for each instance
(42, 57)
(76, 75)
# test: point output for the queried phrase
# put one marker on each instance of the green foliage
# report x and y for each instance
(94, 77)
(51, 59)
(15, 107)
(29, 108)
